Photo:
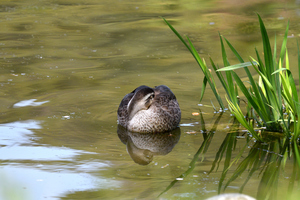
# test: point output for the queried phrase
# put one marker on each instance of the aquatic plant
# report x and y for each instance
(227, 81)
(208, 77)
(273, 110)
(272, 100)
(265, 96)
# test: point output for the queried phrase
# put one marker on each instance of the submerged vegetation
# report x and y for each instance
(272, 112)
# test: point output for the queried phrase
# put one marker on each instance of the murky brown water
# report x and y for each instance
(66, 65)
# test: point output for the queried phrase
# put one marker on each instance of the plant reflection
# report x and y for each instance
(266, 160)
(143, 146)
(208, 135)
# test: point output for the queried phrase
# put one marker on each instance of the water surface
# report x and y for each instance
(66, 65)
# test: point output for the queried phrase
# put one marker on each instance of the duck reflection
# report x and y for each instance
(143, 146)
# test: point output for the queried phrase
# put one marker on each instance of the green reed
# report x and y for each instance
(208, 77)
(265, 95)
(272, 100)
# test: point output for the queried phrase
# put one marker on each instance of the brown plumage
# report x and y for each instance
(149, 110)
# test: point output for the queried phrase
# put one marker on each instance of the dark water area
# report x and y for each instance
(66, 65)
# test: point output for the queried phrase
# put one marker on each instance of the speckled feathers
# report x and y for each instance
(149, 110)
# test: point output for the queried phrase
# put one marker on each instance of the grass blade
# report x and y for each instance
(203, 87)
(237, 66)
(267, 51)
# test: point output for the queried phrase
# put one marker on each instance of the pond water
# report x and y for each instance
(66, 65)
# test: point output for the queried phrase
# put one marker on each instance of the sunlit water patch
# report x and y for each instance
(17, 133)
(36, 184)
(38, 153)
(50, 171)
(30, 102)
(189, 124)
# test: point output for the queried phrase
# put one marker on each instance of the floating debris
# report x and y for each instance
(190, 124)
(66, 117)
(165, 166)
(191, 132)
(195, 113)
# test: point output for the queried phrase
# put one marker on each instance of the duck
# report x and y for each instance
(149, 110)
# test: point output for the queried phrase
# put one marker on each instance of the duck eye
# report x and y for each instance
(149, 98)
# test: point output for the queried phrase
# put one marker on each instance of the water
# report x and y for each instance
(66, 65)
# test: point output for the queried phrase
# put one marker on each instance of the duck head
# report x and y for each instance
(142, 99)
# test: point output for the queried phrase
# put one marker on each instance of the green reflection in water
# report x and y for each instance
(267, 160)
